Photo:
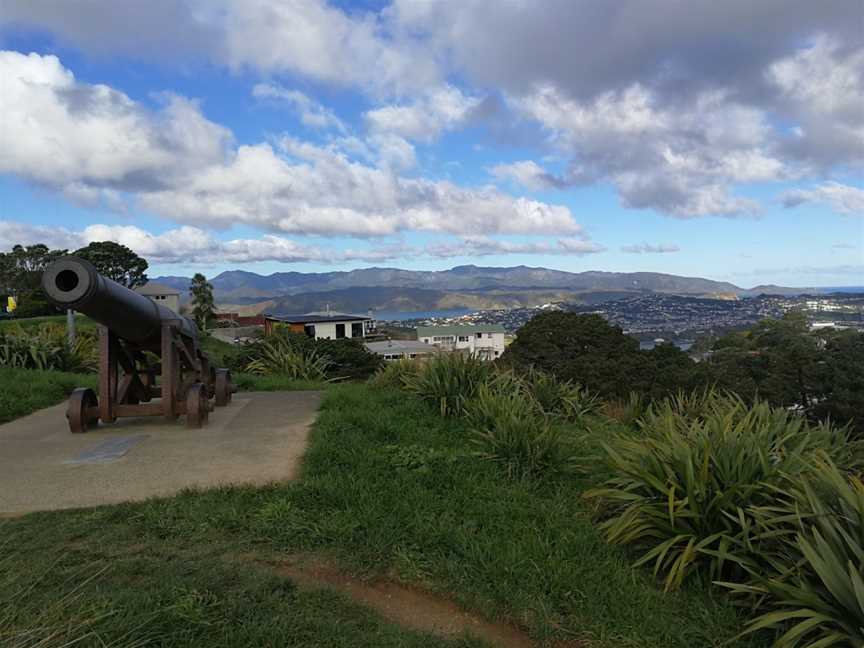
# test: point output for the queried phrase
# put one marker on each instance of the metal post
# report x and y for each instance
(70, 326)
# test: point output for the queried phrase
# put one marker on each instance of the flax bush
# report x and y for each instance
(277, 355)
(685, 486)
(46, 347)
(449, 381)
(396, 374)
(812, 586)
(561, 399)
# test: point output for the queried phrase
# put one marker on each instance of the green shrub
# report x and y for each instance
(814, 588)
(627, 411)
(46, 347)
(450, 380)
(277, 356)
(685, 487)
(560, 399)
(396, 374)
(301, 357)
(508, 427)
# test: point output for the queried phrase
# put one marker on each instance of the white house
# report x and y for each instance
(161, 294)
(321, 326)
(392, 350)
(482, 340)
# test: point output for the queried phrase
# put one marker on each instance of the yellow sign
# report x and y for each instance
(11, 305)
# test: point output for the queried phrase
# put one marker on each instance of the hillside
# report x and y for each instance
(463, 286)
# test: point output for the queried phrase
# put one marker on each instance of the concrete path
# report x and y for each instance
(259, 438)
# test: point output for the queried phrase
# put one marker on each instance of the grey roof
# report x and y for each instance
(400, 346)
(312, 318)
(458, 329)
(151, 288)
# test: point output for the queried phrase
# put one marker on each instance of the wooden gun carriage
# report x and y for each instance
(150, 361)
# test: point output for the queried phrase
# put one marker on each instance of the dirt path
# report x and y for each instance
(408, 607)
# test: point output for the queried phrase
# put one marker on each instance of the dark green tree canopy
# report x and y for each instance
(203, 305)
(582, 348)
(21, 273)
(117, 262)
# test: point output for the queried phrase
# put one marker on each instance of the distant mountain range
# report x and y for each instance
(467, 286)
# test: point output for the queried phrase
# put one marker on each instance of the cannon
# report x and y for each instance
(150, 361)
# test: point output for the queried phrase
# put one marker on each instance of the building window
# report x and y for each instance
(340, 331)
(479, 335)
(463, 338)
(357, 329)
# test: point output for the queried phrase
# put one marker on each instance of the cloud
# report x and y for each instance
(91, 142)
(191, 245)
(678, 161)
(821, 87)
(484, 246)
(527, 173)
(647, 248)
(66, 134)
(311, 113)
(304, 37)
(846, 246)
(433, 112)
(689, 102)
(844, 199)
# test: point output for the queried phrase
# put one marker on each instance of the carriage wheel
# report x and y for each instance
(197, 406)
(224, 388)
(80, 401)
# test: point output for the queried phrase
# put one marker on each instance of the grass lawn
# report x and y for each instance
(83, 323)
(25, 390)
(388, 488)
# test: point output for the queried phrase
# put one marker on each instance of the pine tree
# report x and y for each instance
(202, 300)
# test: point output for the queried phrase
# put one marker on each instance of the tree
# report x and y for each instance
(202, 300)
(117, 262)
(582, 348)
(776, 361)
(21, 275)
(840, 379)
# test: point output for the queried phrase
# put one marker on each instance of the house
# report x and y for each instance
(482, 340)
(161, 294)
(392, 350)
(321, 326)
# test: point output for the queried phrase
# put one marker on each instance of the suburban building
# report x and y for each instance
(161, 294)
(322, 326)
(392, 350)
(482, 340)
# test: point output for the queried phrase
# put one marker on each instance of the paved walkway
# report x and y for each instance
(259, 438)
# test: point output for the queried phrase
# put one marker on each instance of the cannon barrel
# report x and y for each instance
(73, 283)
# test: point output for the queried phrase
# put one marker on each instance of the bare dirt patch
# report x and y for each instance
(408, 607)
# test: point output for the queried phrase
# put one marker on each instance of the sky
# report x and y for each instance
(715, 139)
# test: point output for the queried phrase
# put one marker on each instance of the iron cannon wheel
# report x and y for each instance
(197, 406)
(224, 388)
(80, 401)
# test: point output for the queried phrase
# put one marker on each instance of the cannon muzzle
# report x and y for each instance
(73, 283)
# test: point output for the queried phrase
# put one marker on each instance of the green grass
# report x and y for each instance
(251, 382)
(23, 391)
(83, 322)
(388, 487)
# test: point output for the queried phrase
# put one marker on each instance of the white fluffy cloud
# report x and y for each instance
(66, 134)
(305, 37)
(843, 199)
(680, 161)
(674, 106)
(192, 245)
(433, 112)
(311, 112)
(90, 141)
(648, 248)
